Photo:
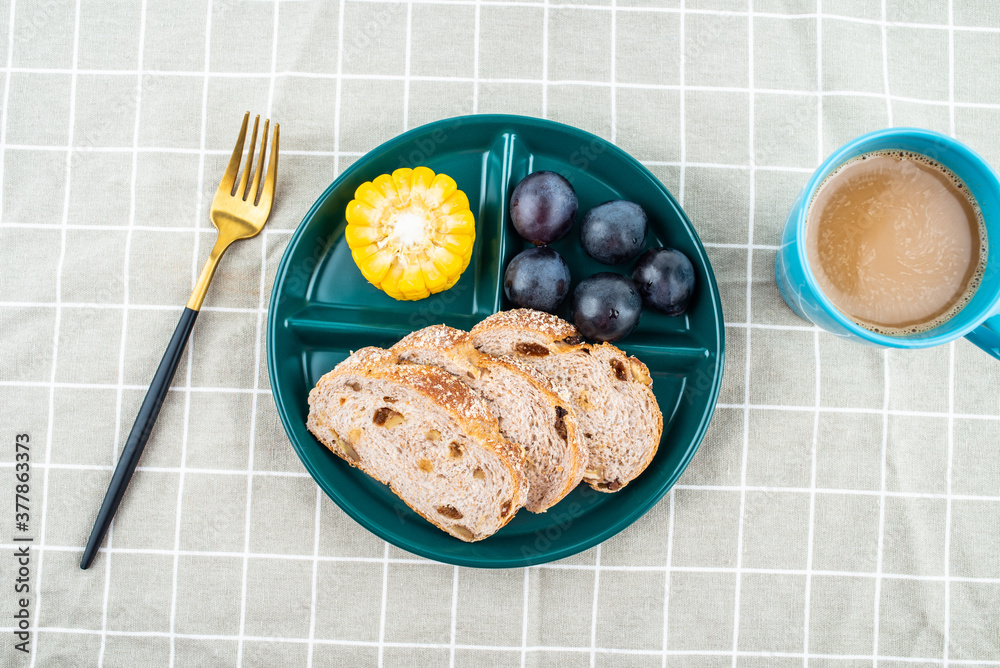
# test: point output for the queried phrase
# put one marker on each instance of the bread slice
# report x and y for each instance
(426, 435)
(529, 410)
(618, 416)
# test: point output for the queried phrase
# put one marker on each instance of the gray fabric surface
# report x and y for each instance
(844, 509)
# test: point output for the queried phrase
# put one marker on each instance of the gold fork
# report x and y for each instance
(238, 212)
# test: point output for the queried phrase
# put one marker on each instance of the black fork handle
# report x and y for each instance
(137, 438)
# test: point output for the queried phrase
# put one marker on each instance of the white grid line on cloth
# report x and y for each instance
(385, 599)
(867, 411)
(810, 538)
(119, 393)
(256, 385)
(524, 617)
(158, 307)
(880, 552)
(189, 367)
(545, 59)
(190, 344)
(112, 386)
(666, 575)
(590, 83)
(540, 649)
(544, 114)
(454, 619)
(131, 307)
(274, 69)
(613, 113)
(704, 488)
(339, 85)
(475, 57)
(879, 556)
(106, 590)
(759, 571)
(846, 492)
(454, 79)
(182, 470)
(749, 310)
(59, 148)
(407, 77)
(885, 63)
(166, 469)
(554, 566)
(681, 180)
(3, 115)
(674, 10)
(123, 228)
(315, 578)
(948, 491)
(319, 494)
(169, 149)
(613, 82)
(946, 641)
(593, 609)
(58, 322)
(6, 98)
(814, 448)
(257, 340)
(951, 67)
(122, 149)
(682, 130)
(753, 406)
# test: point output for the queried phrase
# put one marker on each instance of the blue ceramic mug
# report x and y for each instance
(978, 321)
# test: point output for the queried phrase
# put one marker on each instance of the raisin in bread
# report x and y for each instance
(618, 416)
(426, 435)
(529, 410)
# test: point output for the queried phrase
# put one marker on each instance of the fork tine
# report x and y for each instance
(255, 186)
(229, 178)
(241, 191)
(267, 193)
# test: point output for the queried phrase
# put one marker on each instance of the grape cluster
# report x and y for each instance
(606, 306)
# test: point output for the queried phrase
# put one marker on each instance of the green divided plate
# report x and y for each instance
(322, 308)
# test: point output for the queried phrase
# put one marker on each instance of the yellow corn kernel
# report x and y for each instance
(368, 194)
(441, 188)
(457, 201)
(402, 178)
(358, 236)
(411, 232)
(460, 245)
(434, 278)
(363, 213)
(422, 179)
(460, 222)
(387, 187)
(375, 266)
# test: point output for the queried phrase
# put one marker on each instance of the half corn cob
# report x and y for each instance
(411, 233)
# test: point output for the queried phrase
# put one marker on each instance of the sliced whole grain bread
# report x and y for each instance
(419, 430)
(618, 416)
(528, 408)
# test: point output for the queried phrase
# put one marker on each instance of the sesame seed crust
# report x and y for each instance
(523, 319)
(435, 336)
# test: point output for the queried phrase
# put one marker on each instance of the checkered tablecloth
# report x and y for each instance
(843, 510)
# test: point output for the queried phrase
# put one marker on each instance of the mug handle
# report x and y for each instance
(987, 336)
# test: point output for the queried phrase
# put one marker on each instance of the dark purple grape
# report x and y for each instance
(537, 278)
(665, 279)
(606, 307)
(543, 207)
(614, 232)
